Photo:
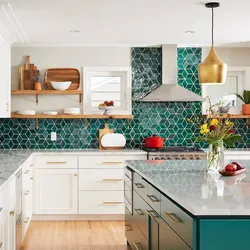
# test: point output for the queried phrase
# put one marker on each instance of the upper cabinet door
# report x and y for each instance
(5, 77)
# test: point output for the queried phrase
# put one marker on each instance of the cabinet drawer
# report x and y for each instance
(140, 242)
(101, 161)
(140, 185)
(27, 180)
(140, 214)
(180, 222)
(9, 191)
(154, 198)
(54, 161)
(101, 202)
(1, 206)
(101, 179)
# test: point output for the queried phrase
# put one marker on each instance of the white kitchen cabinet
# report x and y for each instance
(56, 191)
(9, 227)
(101, 179)
(5, 78)
(101, 202)
(27, 196)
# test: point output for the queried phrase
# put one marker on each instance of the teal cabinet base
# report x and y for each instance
(224, 234)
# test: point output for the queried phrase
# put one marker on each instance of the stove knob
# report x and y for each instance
(169, 158)
(183, 158)
(163, 158)
(191, 158)
(177, 158)
(198, 157)
(157, 158)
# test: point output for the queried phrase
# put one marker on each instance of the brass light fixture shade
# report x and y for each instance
(212, 71)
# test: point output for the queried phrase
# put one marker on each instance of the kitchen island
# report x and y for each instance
(178, 205)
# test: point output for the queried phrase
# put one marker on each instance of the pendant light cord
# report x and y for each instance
(212, 26)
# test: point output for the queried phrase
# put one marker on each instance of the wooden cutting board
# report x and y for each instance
(62, 75)
(104, 131)
(26, 72)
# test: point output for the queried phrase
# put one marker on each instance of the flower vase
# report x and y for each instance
(215, 158)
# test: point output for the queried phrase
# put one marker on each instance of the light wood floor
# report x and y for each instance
(75, 235)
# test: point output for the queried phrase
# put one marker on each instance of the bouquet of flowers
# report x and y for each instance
(217, 130)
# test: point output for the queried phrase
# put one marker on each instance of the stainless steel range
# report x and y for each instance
(176, 153)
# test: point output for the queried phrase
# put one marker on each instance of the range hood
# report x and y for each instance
(170, 91)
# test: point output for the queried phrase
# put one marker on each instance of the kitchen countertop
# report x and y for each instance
(12, 160)
(202, 194)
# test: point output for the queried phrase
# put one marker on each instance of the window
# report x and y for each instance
(107, 84)
(225, 93)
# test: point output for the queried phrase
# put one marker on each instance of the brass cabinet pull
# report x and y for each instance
(128, 228)
(112, 162)
(7, 107)
(1, 209)
(1, 244)
(138, 211)
(152, 198)
(139, 185)
(26, 220)
(113, 202)
(111, 180)
(12, 212)
(173, 218)
(26, 172)
(31, 178)
(56, 162)
(138, 246)
(26, 192)
(75, 175)
(150, 213)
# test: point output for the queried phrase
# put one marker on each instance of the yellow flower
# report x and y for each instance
(214, 122)
(229, 124)
(204, 129)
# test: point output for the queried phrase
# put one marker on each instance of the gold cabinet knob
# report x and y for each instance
(75, 175)
(12, 212)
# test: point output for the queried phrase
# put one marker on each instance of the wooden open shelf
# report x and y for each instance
(63, 116)
(240, 116)
(48, 92)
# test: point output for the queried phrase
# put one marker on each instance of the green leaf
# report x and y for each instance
(230, 140)
(240, 97)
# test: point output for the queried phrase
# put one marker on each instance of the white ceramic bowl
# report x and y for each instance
(50, 112)
(106, 109)
(72, 111)
(26, 112)
(61, 85)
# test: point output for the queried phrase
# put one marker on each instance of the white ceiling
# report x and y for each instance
(132, 22)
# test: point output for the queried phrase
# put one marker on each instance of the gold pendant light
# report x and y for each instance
(212, 71)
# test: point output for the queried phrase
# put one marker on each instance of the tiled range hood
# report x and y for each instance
(170, 91)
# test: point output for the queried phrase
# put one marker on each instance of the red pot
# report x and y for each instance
(154, 142)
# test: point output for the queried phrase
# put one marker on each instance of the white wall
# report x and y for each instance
(62, 57)
(237, 60)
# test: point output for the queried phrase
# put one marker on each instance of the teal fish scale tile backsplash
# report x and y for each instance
(167, 119)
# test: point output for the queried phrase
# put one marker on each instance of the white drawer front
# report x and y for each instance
(9, 191)
(101, 202)
(1, 206)
(54, 161)
(27, 180)
(107, 161)
(101, 179)
(101, 161)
